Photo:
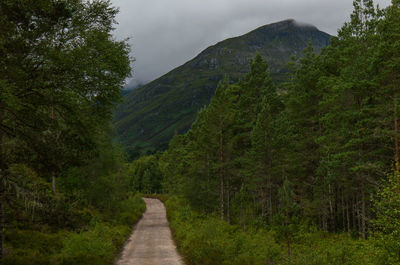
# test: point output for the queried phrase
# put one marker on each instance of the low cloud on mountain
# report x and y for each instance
(166, 33)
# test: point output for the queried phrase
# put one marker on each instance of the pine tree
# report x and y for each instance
(266, 148)
(388, 65)
(349, 144)
(303, 111)
(218, 130)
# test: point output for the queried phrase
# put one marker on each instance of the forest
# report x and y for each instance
(302, 172)
(312, 163)
(64, 191)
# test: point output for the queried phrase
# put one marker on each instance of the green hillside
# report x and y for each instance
(150, 115)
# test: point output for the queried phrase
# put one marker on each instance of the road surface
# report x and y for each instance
(151, 242)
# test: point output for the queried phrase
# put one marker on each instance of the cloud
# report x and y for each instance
(167, 33)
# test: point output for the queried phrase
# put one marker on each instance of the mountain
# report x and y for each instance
(151, 114)
(128, 89)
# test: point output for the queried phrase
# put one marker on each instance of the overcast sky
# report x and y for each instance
(167, 33)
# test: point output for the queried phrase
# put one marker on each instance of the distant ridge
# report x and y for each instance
(151, 114)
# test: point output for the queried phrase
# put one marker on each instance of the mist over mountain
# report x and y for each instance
(151, 114)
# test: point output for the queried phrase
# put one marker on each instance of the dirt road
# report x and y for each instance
(151, 242)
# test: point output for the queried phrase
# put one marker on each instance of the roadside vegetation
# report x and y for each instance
(65, 195)
(206, 239)
(96, 238)
(303, 173)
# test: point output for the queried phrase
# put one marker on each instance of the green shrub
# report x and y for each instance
(31, 247)
(102, 241)
(208, 240)
(34, 240)
(130, 210)
(81, 259)
(203, 239)
(94, 242)
(31, 257)
(161, 197)
(97, 245)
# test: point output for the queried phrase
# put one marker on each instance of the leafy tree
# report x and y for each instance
(60, 75)
(387, 223)
(145, 175)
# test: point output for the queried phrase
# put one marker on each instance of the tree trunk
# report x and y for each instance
(270, 202)
(54, 182)
(1, 221)
(363, 215)
(221, 160)
(264, 201)
(348, 216)
(396, 123)
(354, 201)
(343, 213)
(2, 192)
(228, 200)
(53, 174)
(320, 221)
(359, 217)
(331, 214)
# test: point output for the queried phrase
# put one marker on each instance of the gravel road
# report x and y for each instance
(151, 242)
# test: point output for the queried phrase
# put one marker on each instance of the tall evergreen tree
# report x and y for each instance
(349, 105)
(303, 111)
(266, 148)
(388, 66)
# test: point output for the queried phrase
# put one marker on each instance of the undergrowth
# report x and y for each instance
(96, 244)
(206, 240)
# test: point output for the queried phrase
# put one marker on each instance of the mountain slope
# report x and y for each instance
(151, 114)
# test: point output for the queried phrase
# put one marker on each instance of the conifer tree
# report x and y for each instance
(302, 108)
(349, 106)
(388, 65)
(219, 122)
(266, 148)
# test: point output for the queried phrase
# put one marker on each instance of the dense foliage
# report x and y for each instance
(315, 149)
(314, 153)
(97, 239)
(302, 173)
(60, 173)
(204, 239)
(145, 175)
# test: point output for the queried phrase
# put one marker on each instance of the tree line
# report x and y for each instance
(61, 73)
(315, 150)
